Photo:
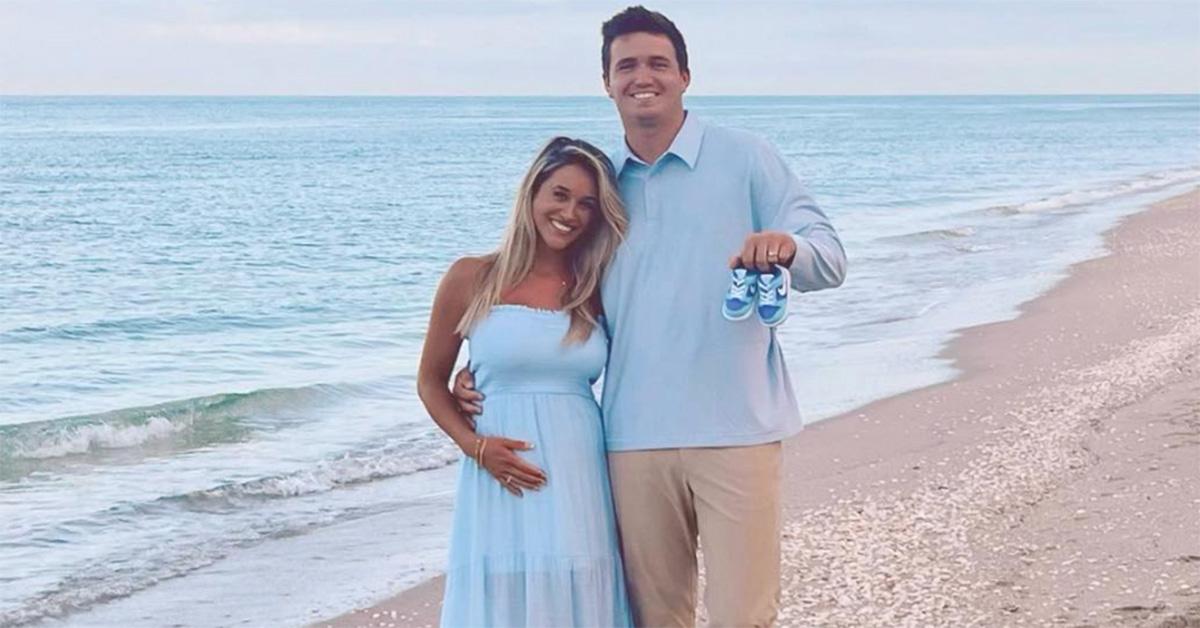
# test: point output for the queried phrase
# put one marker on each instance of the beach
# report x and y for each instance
(221, 269)
(207, 370)
(1052, 482)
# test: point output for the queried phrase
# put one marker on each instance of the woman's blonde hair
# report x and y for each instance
(589, 255)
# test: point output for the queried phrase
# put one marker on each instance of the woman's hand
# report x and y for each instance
(498, 455)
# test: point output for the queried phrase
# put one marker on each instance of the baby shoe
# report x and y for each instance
(773, 296)
(739, 299)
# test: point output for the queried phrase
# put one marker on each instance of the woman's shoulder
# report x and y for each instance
(463, 277)
(468, 267)
(468, 270)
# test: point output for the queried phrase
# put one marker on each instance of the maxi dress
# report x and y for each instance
(550, 557)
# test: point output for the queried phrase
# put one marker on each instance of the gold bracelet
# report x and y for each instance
(482, 448)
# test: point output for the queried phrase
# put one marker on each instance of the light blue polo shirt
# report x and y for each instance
(679, 374)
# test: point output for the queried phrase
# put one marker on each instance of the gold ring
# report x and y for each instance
(508, 479)
(772, 253)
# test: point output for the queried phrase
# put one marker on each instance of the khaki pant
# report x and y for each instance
(729, 497)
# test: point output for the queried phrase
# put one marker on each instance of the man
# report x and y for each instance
(696, 406)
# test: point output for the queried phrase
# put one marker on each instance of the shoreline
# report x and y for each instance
(947, 505)
(936, 490)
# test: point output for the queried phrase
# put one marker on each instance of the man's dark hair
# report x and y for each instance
(639, 19)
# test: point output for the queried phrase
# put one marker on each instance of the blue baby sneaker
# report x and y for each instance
(739, 299)
(773, 296)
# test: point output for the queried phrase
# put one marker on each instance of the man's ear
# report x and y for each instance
(607, 85)
(687, 79)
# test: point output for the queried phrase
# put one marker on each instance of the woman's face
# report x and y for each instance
(564, 206)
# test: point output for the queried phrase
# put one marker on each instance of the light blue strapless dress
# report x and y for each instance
(549, 558)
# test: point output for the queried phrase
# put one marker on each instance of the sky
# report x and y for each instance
(549, 47)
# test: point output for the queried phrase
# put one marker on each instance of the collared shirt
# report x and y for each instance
(679, 374)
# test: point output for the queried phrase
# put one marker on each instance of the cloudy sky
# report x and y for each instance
(544, 47)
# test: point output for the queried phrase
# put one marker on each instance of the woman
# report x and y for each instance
(534, 537)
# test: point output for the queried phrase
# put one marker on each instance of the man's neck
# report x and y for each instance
(650, 141)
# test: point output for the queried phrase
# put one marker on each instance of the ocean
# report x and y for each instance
(211, 310)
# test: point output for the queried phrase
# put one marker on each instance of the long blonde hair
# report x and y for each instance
(589, 256)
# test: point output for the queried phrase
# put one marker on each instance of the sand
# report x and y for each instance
(1056, 481)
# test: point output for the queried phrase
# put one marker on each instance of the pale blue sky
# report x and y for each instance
(537, 47)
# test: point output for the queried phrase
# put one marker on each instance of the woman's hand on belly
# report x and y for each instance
(499, 457)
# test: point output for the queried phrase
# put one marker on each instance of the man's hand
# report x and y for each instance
(763, 250)
(465, 394)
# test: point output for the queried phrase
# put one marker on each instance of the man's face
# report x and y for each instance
(644, 78)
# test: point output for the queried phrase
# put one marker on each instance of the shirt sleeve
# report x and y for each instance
(782, 204)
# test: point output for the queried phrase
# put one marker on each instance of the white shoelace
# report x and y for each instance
(738, 290)
(767, 294)
(740, 287)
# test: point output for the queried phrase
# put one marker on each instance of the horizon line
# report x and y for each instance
(597, 96)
